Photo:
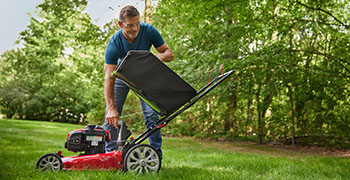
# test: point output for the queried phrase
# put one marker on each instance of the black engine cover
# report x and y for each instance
(90, 140)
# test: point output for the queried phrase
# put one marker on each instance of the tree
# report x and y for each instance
(148, 11)
(58, 70)
(290, 57)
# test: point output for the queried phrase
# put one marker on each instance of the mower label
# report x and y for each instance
(94, 139)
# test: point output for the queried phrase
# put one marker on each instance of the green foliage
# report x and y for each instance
(58, 74)
(291, 59)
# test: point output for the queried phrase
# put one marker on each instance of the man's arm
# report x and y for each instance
(165, 53)
(112, 113)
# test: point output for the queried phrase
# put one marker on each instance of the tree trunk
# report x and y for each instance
(231, 122)
(148, 12)
(290, 93)
(249, 116)
(249, 109)
(260, 128)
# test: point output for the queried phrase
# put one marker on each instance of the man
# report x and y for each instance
(133, 35)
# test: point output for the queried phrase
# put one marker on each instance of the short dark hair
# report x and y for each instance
(128, 11)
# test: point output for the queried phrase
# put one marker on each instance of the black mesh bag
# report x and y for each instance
(154, 82)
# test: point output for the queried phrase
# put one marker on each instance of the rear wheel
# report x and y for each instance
(142, 158)
(49, 162)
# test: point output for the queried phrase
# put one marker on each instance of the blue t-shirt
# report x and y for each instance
(118, 46)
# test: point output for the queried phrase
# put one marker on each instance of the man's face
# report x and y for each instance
(131, 26)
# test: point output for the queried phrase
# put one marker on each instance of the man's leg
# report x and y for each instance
(120, 92)
(152, 117)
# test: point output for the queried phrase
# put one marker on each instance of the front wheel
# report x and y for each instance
(49, 162)
(142, 158)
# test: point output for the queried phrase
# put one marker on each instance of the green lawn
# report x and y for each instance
(24, 142)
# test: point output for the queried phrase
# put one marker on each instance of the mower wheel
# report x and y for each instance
(142, 158)
(49, 162)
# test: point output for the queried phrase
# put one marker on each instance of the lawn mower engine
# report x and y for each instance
(90, 140)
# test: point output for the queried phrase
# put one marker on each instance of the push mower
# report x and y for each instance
(156, 84)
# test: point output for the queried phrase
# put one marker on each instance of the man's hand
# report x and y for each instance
(112, 117)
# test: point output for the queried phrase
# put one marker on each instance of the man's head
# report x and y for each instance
(129, 20)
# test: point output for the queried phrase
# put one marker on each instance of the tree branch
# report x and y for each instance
(320, 9)
(339, 60)
(319, 22)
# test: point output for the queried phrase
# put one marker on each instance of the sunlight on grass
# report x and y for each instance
(24, 142)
